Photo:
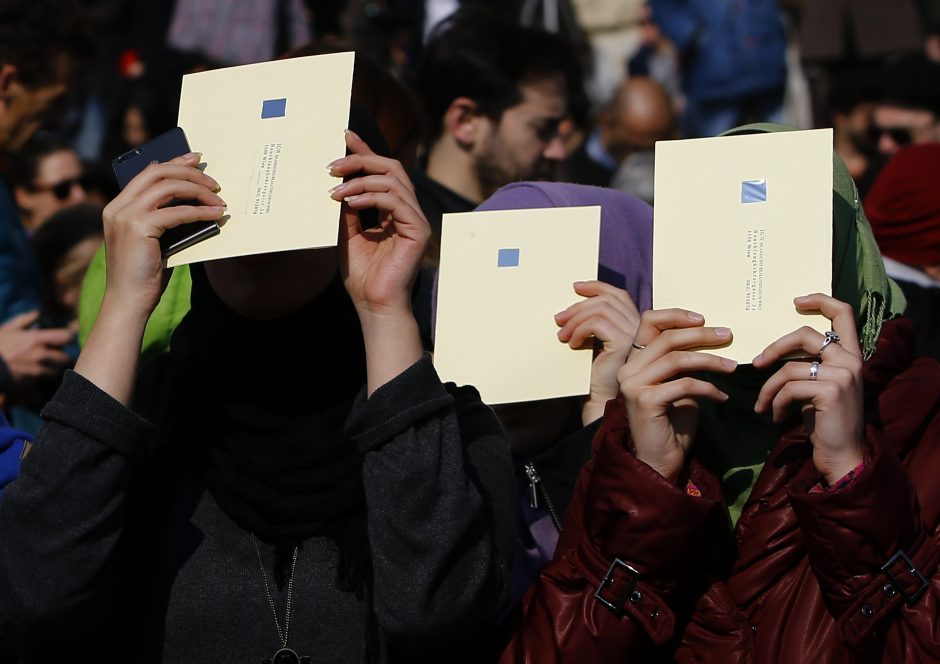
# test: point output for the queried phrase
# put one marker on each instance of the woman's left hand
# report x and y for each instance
(378, 265)
(832, 401)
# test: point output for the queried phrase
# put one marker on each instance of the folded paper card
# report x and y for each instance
(266, 132)
(741, 226)
(503, 277)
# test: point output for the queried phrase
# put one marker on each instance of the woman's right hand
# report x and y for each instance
(659, 392)
(135, 220)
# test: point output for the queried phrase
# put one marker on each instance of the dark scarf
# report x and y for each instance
(264, 403)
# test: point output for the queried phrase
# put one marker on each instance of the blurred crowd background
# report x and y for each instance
(635, 72)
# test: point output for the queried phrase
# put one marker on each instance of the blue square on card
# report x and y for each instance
(754, 191)
(508, 258)
(274, 108)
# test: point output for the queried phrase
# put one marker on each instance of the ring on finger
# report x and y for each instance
(638, 346)
(814, 370)
(831, 337)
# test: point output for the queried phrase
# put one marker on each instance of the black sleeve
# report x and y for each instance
(61, 519)
(439, 493)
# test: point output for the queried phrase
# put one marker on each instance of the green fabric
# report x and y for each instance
(738, 439)
(166, 316)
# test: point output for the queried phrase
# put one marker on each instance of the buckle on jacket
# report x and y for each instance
(909, 596)
(628, 575)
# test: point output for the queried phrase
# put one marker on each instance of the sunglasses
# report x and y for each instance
(899, 135)
(63, 189)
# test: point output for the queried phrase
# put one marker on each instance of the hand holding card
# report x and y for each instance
(139, 216)
(163, 148)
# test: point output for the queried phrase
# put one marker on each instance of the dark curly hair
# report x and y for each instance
(39, 37)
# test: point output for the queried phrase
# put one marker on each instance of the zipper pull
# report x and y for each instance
(534, 480)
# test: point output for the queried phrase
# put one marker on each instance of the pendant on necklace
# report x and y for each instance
(287, 656)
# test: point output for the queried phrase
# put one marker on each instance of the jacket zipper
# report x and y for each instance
(535, 488)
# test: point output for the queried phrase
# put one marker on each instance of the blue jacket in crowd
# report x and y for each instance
(729, 48)
(19, 275)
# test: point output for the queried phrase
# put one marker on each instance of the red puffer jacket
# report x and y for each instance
(847, 576)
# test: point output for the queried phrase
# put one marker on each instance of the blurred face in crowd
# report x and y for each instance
(22, 107)
(856, 125)
(71, 271)
(57, 186)
(893, 127)
(640, 114)
(135, 127)
(525, 139)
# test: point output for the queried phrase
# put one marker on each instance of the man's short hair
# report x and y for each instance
(486, 57)
(36, 36)
(911, 81)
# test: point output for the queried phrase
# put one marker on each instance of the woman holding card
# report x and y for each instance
(824, 468)
(307, 488)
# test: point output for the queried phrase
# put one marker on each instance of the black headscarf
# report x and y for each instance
(263, 405)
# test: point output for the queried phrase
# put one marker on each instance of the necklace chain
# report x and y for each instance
(283, 635)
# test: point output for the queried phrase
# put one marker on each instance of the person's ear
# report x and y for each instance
(23, 198)
(8, 78)
(463, 121)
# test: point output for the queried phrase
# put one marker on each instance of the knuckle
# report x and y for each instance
(831, 390)
(682, 360)
(855, 365)
(645, 398)
(686, 383)
(843, 307)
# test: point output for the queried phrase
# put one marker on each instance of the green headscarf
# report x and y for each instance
(740, 440)
(173, 305)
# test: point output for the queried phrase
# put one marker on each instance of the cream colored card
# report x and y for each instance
(503, 277)
(267, 132)
(742, 225)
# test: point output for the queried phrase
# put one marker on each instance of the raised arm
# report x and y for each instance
(438, 476)
(62, 519)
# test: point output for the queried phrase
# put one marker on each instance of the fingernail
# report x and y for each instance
(338, 188)
(728, 364)
(697, 318)
(757, 358)
(350, 199)
(801, 299)
(336, 163)
(722, 332)
(725, 396)
(219, 208)
(350, 132)
(193, 155)
(215, 185)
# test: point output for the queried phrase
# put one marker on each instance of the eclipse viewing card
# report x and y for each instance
(266, 133)
(741, 226)
(504, 274)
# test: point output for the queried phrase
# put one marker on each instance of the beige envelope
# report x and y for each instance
(503, 276)
(741, 226)
(267, 132)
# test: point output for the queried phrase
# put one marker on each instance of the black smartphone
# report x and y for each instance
(166, 146)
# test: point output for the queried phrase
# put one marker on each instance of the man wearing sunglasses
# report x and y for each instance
(46, 176)
(908, 110)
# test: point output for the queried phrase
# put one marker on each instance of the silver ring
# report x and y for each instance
(831, 337)
(813, 370)
(638, 346)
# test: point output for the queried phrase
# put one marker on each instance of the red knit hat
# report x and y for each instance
(903, 206)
